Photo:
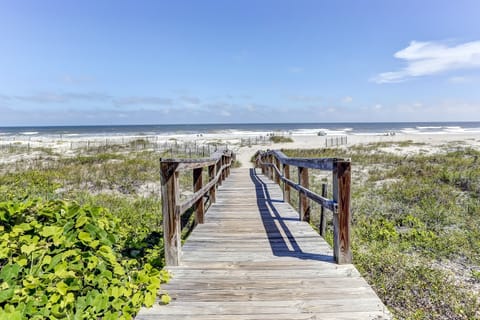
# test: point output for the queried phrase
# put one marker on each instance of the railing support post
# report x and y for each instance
(286, 186)
(212, 171)
(276, 162)
(303, 201)
(219, 167)
(270, 168)
(229, 162)
(261, 159)
(323, 219)
(341, 218)
(171, 216)
(199, 206)
(223, 161)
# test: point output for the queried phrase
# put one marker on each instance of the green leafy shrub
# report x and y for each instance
(62, 260)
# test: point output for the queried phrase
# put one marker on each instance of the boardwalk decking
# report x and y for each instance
(253, 259)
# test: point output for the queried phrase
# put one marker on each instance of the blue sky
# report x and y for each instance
(225, 61)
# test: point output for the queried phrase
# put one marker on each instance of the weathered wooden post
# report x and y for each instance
(229, 163)
(341, 218)
(303, 201)
(323, 219)
(212, 172)
(219, 167)
(224, 173)
(265, 167)
(272, 170)
(286, 186)
(199, 206)
(276, 162)
(171, 216)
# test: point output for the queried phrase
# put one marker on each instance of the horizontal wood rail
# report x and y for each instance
(276, 165)
(218, 170)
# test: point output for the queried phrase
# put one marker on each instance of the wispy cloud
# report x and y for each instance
(304, 98)
(50, 97)
(137, 101)
(427, 58)
(190, 99)
(69, 79)
(347, 99)
(460, 79)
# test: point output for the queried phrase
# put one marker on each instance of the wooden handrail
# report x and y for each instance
(270, 162)
(218, 169)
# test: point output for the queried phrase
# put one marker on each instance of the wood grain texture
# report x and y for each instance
(341, 219)
(197, 186)
(171, 216)
(254, 259)
(303, 201)
(286, 186)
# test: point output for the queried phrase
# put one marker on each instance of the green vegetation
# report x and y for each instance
(416, 227)
(280, 139)
(81, 236)
(60, 260)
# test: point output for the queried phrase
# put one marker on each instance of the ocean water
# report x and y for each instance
(350, 128)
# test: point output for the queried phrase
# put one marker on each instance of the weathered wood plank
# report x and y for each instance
(199, 206)
(254, 259)
(320, 163)
(171, 216)
(303, 202)
(286, 186)
(342, 217)
(323, 216)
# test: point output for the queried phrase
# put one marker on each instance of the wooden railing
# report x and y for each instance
(218, 169)
(276, 166)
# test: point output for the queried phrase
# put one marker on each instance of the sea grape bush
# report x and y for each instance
(62, 260)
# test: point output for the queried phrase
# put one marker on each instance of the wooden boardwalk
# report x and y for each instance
(254, 259)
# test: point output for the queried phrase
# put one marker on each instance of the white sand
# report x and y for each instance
(66, 145)
(431, 142)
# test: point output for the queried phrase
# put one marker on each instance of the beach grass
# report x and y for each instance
(416, 214)
(416, 226)
(280, 139)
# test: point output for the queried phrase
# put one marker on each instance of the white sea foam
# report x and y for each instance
(428, 127)
(410, 131)
(29, 133)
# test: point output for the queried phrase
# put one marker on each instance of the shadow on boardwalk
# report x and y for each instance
(282, 241)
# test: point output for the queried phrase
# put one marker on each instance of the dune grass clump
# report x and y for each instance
(416, 227)
(280, 139)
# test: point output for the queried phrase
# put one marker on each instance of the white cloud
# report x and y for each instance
(152, 101)
(225, 113)
(347, 99)
(50, 97)
(69, 79)
(457, 80)
(303, 98)
(427, 58)
(190, 99)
